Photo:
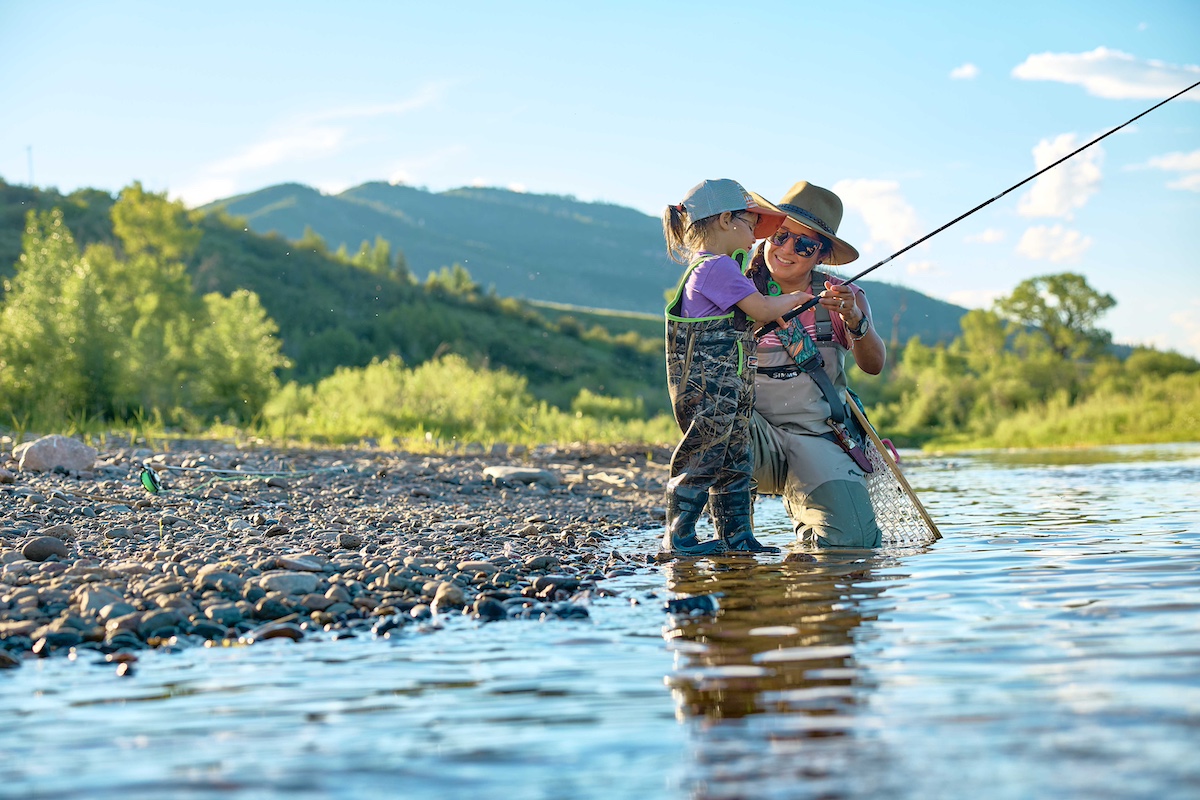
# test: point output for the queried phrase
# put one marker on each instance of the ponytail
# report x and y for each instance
(675, 226)
(685, 235)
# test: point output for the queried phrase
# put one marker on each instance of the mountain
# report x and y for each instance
(539, 247)
(333, 314)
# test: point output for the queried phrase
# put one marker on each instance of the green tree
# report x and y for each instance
(148, 224)
(40, 370)
(1065, 309)
(237, 355)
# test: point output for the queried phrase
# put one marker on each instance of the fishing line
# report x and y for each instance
(795, 312)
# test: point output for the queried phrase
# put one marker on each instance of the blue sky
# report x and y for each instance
(913, 111)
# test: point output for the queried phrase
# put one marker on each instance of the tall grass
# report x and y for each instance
(444, 402)
(1155, 410)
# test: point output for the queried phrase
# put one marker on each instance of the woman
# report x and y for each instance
(803, 431)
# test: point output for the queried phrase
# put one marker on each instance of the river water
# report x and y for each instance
(1047, 646)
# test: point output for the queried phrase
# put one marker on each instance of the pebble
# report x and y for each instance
(44, 547)
(359, 537)
(289, 582)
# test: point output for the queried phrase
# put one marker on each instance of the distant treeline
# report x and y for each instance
(134, 311)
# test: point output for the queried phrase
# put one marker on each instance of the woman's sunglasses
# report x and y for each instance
(804, 246)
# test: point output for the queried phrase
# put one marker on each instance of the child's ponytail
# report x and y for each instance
(675, 226)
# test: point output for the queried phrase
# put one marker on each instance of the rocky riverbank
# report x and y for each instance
(245, 544)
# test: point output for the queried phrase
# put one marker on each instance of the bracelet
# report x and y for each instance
(858, 333)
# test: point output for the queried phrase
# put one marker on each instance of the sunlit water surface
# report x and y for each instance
(1047, 646)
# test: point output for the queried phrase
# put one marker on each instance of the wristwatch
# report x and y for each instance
(864, 325)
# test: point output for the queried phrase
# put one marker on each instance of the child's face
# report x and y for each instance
(743, 223)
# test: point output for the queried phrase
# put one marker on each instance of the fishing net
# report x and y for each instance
(896, 511)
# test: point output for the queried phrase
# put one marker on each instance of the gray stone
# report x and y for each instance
(521, 475)
(289, 582)
(448, 596)
(53, 451)
(95, 598)
(44, 547)
(226, 614)
(541, 562)
(63, 532)
(156, 622)
(489, 608)
(349, 541)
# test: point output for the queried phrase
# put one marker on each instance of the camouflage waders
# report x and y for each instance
(710, 377)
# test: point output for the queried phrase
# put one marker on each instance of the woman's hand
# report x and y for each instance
(870, 353)
(840, 300)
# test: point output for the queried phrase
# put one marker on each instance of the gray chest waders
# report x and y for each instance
(814, 367)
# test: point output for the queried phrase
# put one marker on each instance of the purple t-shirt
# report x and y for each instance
(714, 288)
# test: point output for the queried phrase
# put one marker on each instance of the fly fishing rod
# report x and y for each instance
(795, 312)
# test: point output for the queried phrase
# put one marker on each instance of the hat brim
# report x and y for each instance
(770, 216)
(843, 251)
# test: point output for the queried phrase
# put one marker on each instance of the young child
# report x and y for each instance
(711, 362)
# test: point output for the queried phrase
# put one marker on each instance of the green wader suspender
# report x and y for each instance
(740, 322)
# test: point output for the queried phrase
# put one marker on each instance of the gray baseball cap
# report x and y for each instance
(712, 197)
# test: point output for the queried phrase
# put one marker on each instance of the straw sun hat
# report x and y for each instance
(820, 210)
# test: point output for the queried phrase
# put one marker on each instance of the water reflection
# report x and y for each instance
(774, 672)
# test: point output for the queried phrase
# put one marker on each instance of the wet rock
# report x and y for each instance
(541, 563)
(275, 630)
(6, 476)
(270, 608)
(553, 583)
(158, 623)
(448, 597)
(209, 630)
(49, 452)
(7, 661)
(489, 609)
(44, 547)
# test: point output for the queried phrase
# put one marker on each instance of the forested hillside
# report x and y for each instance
(337, 312)
(540, 247)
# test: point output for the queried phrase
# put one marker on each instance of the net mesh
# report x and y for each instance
(895, 511)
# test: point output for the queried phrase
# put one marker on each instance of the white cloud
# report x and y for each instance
(974, 298)
(295, 147)
(927, 268)
(1178, 162)
(965, 73)
(1188, 183)
(1111, 74)
(424, 97)
(890, 219)
(1056, 243)
(309, 137)
(1066, 187)
(1186, 163)
(988, 236)
(520, 188)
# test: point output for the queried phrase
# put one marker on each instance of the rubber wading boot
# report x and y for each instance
(731, 515)
(684, 507)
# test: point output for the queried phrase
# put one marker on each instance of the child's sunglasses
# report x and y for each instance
(804, 246)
